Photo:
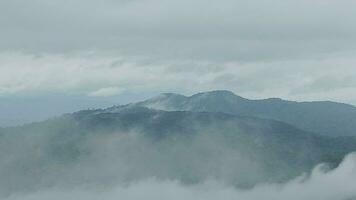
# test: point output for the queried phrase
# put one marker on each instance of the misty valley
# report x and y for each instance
(211, 145)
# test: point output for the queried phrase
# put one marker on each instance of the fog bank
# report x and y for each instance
(338, 184)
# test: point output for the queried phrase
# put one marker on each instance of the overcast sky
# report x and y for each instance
(293, 49)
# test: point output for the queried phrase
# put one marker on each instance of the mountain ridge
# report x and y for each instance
(323, 117)
(137, 142)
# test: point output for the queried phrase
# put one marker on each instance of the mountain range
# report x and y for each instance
(214, 135)
(322, 117)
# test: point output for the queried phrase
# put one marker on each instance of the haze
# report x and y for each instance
(81, 101)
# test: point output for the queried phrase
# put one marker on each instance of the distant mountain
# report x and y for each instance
(19, 110)
(322, 117)
(130, 143)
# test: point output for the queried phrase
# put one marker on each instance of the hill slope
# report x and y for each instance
(133, 143)
(326, 118)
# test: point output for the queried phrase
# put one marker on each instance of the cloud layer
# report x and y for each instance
(338, 184)
(58, 161)
(293, 49)
(99, 74)
(214, 30)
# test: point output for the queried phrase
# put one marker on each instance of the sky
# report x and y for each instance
(128, 49)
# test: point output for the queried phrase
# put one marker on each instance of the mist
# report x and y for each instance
(338, 184)
(177, 99)
(37, 164)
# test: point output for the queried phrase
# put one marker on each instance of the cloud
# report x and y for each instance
(105, 74)
(106, 92)
(290, 49)
(75, 164)
(338, 184)
(215, 30)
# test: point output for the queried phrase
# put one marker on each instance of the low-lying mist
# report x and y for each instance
(60, 159)
(30, 162)
(338, 184)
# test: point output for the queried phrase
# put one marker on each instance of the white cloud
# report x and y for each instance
(100, 74)
(255, 48)
(225, 29)
(339, 184)
(106, 92)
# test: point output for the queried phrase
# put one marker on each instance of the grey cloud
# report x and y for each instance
(225, 18)
(338, 184)
(227, 30)
(100, 74)
(255, 48)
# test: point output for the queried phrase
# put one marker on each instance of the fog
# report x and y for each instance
(37, 160)
(338, 184)
(37, 164)
(59, 56)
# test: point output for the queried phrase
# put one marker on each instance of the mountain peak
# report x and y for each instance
(327, 118)
(224, 94)
(170, 94)
(217, 92)
(172, 101)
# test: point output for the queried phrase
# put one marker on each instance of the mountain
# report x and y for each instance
(322, 117)
(130, 143)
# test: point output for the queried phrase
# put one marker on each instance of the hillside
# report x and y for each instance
(323, 117)
(133, 143)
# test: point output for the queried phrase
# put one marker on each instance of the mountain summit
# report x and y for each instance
(322, 117)
(204, 136)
